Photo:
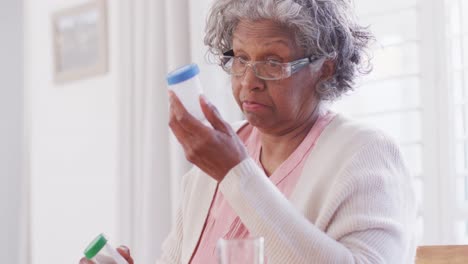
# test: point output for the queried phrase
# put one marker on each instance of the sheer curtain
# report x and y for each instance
(156, 37)
(145, 142)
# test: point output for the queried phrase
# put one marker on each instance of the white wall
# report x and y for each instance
(11, 127)
(73, 145)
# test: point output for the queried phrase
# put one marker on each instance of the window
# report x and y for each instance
(418, 94)
(457, 38)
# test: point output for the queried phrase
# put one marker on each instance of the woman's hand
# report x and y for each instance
(123, 250)
(214, 150)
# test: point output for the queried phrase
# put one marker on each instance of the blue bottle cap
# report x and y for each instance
(182, 74)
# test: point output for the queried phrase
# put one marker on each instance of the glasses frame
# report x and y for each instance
(287, 68)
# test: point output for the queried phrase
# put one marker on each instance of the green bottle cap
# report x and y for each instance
(95, 246)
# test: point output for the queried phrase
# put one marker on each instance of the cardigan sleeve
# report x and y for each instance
(369, 220)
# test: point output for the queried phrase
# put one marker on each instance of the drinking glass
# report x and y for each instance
(241, 251)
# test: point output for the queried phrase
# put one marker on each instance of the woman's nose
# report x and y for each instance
(251, 81)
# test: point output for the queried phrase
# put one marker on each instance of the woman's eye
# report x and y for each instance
(241, 60)
(272, 63)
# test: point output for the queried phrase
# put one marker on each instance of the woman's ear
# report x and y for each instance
(327, 70)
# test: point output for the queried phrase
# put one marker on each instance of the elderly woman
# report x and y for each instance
(317, 186)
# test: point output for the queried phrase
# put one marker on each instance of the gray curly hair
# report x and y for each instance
(327, 28)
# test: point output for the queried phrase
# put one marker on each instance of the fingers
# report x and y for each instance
(186, 128)
(86, 261)
(177, 108)
(181, 120)
(125, 252)
(180, 117)
(213, 116)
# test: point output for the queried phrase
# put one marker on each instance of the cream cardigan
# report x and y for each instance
(353, 203)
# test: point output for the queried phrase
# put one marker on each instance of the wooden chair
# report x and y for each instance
(442, 254)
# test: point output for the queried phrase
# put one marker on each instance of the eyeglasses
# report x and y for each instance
(266, 70)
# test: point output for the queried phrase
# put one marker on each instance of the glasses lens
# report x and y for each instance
(238, 66)
(269, 70)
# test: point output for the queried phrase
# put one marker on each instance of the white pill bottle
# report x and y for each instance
(101, 252)
(185, 83)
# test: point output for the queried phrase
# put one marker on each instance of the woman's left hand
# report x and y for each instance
(214, 150)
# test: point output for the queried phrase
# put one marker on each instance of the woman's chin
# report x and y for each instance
(256, 120)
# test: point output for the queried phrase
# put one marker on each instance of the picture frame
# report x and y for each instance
(80, 41)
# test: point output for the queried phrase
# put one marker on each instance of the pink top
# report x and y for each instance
(222, 221)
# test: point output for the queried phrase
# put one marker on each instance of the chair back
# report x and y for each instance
(442, 254)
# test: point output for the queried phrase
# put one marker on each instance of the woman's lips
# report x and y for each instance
(251, 106)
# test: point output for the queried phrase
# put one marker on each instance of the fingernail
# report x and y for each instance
(176, 109)
(203, 97)
(124, 248)
(171, 96)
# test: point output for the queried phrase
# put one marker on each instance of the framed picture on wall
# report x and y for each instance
(80, 41)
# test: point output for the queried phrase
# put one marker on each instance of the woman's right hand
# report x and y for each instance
(123, 250)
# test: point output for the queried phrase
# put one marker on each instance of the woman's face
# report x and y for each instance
(274, 107)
